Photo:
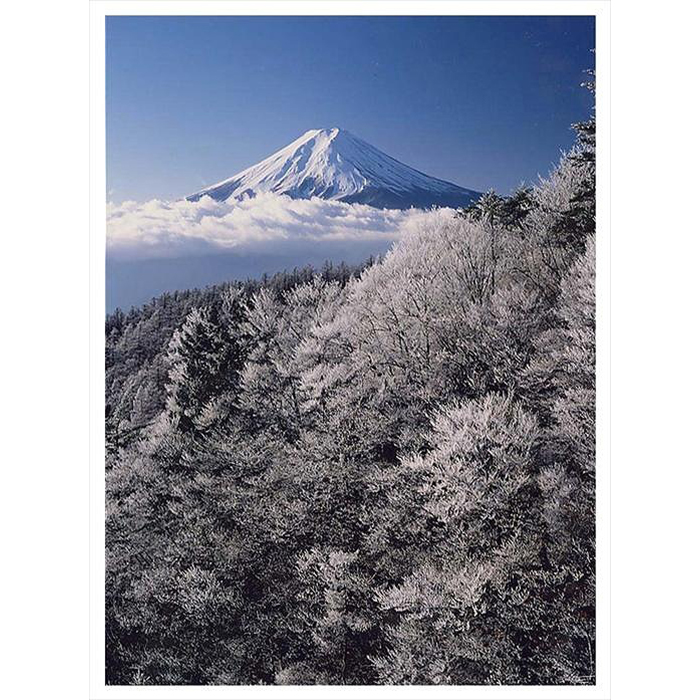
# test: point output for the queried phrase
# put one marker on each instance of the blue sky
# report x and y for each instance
(480, 101)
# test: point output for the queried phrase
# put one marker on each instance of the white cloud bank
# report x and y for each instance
(267, 223)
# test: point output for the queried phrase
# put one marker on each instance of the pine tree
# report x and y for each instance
(577, 221)
(204, 357)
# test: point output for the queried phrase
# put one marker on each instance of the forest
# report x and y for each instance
(381, 474)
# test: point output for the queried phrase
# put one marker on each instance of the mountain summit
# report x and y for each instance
(335, 164)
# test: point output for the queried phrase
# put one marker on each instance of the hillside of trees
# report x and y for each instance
(375, 475)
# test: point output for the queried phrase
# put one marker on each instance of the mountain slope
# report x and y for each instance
(335, 164)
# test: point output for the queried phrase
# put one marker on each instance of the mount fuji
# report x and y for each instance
(336, 165)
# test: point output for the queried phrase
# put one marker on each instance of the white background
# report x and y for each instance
(45, 346)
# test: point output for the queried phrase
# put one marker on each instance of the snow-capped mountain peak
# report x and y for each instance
(335, 164)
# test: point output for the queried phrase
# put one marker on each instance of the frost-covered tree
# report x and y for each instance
(205, 357)
(560, 385)
(278, 328)
(472, 507)
(335, 609)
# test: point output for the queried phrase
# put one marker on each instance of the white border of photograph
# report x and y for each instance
(99, 9)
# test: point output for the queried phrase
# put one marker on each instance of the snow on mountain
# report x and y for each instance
(336, 165)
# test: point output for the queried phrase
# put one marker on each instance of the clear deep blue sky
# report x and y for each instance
(480, 101)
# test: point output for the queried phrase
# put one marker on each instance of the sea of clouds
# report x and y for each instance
(266, 223)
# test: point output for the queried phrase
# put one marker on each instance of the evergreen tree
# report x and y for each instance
(205, 357)
(577, 221)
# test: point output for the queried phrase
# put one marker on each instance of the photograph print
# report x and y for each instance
(350, 350)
